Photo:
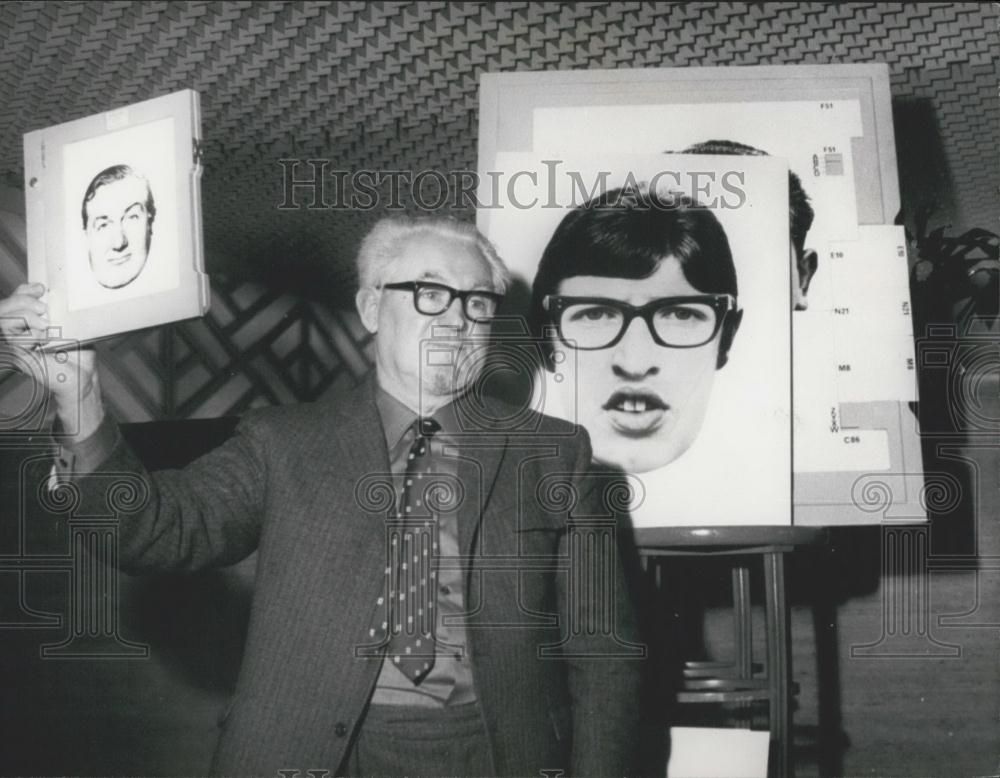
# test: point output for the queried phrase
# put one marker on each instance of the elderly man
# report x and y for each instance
(417, 606)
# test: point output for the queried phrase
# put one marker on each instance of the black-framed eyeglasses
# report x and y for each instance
(590, 323)
(432, 299)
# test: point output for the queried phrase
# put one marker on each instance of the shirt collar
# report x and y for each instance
(397, 418)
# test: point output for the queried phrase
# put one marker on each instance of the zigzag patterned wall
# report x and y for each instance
(254, 347)
(393, 86)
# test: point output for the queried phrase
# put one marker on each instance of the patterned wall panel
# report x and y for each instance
(393, 86)
(961, 100)
(255, 347)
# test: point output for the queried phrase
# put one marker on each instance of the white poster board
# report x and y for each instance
(711, 752)
(854, 371)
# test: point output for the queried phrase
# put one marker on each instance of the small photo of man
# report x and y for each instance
(118, 213)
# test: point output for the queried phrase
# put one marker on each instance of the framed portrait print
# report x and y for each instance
(853, 359)
(113, 212)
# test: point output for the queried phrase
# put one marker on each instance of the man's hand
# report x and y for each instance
(70, 375)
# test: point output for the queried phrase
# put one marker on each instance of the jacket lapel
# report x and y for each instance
(351, 476)
(355, 444)
(354, 477)
(483, 449)
(478, 467)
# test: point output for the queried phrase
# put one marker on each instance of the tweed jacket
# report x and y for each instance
(305, 486)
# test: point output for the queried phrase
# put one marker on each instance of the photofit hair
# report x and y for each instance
(382, 245)
(117, 173)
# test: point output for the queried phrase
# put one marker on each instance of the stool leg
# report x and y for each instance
(742, 635)
(831, 736)
(778, 665)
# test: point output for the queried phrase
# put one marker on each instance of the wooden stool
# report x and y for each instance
(739, 681)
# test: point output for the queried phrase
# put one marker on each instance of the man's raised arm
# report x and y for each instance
(70, 376)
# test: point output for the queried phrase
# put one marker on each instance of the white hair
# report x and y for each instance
(383, 245)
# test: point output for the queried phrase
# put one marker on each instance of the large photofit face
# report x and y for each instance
(119, 231)
(642, 403)
(440, 354)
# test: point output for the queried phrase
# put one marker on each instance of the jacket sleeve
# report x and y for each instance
(205, 515)
(605, 657)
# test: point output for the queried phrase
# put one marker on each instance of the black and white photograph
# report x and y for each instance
(499, 389)
(113, 211)
(123, 202)
(830, 125)
(687, 245)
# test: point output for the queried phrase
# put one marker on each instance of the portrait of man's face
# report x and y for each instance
(643, 403)
(119, 228)
(695, 377)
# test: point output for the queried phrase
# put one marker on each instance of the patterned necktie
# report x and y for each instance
(413, 545)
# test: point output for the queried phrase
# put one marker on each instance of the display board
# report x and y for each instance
(855, 440)
(113, 210)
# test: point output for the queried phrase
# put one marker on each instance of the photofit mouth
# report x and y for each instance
(636, 414)
(120, 259)
(635, 402)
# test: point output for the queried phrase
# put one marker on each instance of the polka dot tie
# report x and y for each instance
(412, 578)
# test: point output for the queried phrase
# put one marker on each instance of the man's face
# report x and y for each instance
(118, 231)
(643, 404)
(438, 372)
